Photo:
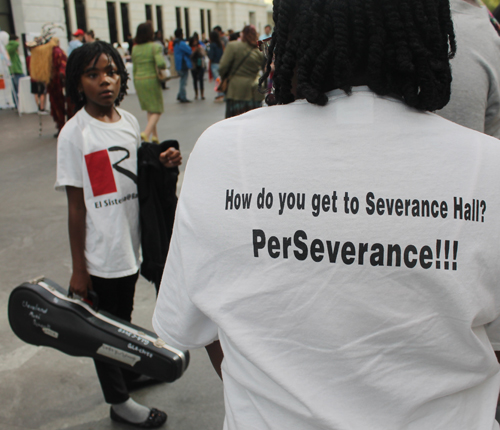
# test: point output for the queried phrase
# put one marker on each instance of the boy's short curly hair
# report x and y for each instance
(80, 58)
(396, 47)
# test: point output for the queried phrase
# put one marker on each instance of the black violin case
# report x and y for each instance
(41, 313)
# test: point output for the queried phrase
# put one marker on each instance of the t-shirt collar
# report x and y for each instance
(106, 125)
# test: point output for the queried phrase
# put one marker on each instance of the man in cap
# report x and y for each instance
(78, 37)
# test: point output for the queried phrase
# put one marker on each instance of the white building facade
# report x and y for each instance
(113, 20)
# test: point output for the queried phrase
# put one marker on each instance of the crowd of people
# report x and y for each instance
(317, 311)
(150, 54)
(105, 240)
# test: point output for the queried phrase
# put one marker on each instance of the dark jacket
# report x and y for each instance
(157, 187)
(215, 53)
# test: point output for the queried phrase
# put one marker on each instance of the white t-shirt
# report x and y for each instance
(101, 158)
(359, 299)
(475, 89)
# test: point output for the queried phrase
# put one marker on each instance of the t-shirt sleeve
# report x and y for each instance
(183, 315)
(177, 320)
(493, 330)
(135, 124)
(69, 162)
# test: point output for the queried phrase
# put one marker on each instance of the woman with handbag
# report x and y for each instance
(240, 64)
(148, 61)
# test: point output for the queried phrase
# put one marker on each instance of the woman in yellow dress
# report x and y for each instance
(147, 56)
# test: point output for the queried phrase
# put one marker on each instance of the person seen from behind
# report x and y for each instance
(182, 55)
(38, 89)
(77, 41)
(16, 69)
(147, 57)
(475, 89)
(223, 38)
(104, 238)
(349, 278)
(241, 62)
(89, 36)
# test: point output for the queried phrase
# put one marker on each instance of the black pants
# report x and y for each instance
(116, 296)
(198, 74)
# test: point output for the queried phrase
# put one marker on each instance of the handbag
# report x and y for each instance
(222, 88)
(163, 75)
(224, 83)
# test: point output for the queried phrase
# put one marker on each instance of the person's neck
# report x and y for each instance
(102, 113)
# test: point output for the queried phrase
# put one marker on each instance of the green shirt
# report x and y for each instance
(15, 67)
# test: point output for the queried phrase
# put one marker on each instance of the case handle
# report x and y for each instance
(92, 298)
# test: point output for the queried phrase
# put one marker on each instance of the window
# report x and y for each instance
(209, 19)
(81, 15)
(251, 18)
(113, 30)
(149, 13)
(202, 20)
(178, 17)
(186, 20)
(6, 21)
(125, 20)
(159, 19)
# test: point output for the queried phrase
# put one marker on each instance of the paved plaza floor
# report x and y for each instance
(41, 388)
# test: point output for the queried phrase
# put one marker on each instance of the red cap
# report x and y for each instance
(79, 32)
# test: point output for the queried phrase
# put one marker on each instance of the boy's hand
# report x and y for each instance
(80, 283)
(171, 158)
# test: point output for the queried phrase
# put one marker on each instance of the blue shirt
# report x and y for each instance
(182, 55)
(73, 45)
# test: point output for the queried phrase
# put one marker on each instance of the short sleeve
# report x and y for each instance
(493, 331)
(177, 320)
(69, 162)
(133, 122)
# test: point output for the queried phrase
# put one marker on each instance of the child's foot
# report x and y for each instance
(137, 415)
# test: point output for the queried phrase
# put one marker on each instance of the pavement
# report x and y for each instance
(42, 388)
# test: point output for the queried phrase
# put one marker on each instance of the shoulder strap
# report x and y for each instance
(241, 62)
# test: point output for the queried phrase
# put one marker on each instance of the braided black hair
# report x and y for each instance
(395, 47)
(80, 58)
